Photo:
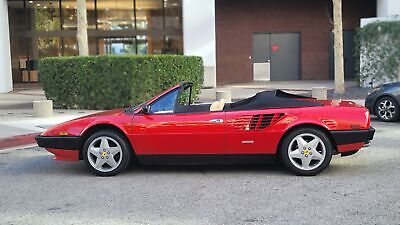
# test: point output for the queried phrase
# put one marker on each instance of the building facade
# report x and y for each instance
(240, 41)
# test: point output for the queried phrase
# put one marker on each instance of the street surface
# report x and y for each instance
(360, 189)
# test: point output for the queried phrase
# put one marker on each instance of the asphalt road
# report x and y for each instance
(361, 189)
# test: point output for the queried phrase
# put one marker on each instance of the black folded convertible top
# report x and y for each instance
(272, 99)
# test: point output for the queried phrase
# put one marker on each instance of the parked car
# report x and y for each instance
(302, 131)
(383, 102)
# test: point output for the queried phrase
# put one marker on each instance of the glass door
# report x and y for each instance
(117, 46)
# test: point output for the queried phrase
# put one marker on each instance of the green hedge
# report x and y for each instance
(104, 82)
(378, 44)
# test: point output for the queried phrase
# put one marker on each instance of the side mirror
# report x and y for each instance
(146, 109)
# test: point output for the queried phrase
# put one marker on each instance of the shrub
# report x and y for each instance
(378, 44)
(104, 82)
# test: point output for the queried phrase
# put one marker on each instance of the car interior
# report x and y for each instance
(179, 101)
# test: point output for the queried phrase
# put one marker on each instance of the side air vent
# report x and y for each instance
(255, 122)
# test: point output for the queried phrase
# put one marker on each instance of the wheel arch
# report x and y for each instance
(308, 125)
(385, 95)
(104, 126)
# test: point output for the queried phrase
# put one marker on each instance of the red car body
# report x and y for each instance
(221, 133)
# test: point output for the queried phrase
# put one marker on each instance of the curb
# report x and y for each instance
(19, 140)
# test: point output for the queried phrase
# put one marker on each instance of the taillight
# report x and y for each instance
(367, 119)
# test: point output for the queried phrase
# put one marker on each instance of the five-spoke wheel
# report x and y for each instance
(387, 109)
(306, 151)
(106, 153)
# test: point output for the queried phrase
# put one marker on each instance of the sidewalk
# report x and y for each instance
(18, 126)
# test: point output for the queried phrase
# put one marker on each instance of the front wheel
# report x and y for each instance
(106, 153)
(306, 151)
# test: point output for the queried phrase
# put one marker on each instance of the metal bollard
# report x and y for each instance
(226, 95)
(43, 108)
(320, 93)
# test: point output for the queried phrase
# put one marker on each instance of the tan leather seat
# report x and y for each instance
(217, 105)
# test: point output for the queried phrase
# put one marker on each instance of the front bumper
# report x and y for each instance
(345, 137)
(60, 142)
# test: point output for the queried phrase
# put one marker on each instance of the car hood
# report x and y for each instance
(112, 112)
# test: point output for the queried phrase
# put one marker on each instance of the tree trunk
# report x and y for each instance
(338, 46)
(82, 36)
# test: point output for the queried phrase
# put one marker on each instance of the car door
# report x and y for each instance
(250, 132)
(161, 131)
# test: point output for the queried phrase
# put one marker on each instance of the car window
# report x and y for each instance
(184, 97)
(165, 104)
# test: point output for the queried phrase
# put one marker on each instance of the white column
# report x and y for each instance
(5, 55)
(199, 35)
(388, 8)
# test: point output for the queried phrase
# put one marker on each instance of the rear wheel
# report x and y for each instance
(106, 153)
(306, 151)
(387, 109)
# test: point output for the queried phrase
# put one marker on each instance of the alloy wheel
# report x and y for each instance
(306, 151)
(386, 109)
(104, 154)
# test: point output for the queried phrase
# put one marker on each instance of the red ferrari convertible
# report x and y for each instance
(303, 132)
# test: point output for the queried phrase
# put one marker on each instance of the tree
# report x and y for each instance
(338, 46)
(82, 36)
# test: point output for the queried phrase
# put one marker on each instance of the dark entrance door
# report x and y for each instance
(285, 56)
(348, 54)
(261, 56)
(276, 56)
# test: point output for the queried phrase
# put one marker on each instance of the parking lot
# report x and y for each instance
(360, 189)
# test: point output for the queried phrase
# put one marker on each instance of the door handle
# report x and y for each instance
(216, 120)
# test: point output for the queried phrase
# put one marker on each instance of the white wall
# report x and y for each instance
(388, 8)
(199, 35)
(5, 55)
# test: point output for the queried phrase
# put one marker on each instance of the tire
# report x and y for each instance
(387, 109)
(106, 153)
(306, 151)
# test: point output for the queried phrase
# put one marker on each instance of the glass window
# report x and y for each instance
(149, 14)
(165, 104)
(70, 46)
(92, 45)
(173, 45)
(17, 15)
(49, 46)
(155, 44)
(68, 10)
(117, 46)
(142, 45)
(173, 14)
(115, 14)
(46, 14)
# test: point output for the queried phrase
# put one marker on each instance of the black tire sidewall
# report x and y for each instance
(126, 154)
(396, 115)
(285, 155)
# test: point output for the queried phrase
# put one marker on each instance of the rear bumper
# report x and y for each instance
(345, 137)
(59, 142)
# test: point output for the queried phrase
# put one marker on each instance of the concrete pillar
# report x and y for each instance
(43, 108)
(320, 93)
(5, 53)
(225, 94)
(199, 35)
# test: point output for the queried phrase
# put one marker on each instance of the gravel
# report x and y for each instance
(360, 189)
